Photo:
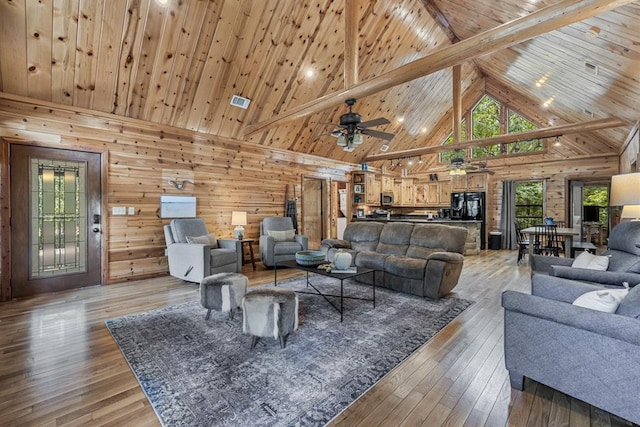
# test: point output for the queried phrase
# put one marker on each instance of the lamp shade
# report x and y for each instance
(238, 218)
(625, 189)
(630, 211)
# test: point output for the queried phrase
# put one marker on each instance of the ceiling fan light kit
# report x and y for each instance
(352, 128)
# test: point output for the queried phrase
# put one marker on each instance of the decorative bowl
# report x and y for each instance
(310, 258)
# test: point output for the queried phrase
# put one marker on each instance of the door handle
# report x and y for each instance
(96, 223)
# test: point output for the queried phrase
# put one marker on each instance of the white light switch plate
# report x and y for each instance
(132, 210)
(119, 210)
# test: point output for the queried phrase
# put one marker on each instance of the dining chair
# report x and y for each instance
(522, 240)
(546, 240)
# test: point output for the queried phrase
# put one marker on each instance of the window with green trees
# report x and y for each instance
(529, 203)
(446, 156)
(516, 124)
(485, 123)
(485, 119)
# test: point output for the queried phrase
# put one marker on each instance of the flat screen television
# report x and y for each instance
(590, 213)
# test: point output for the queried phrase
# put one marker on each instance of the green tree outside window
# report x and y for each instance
(446, 156)
(517, 124)
(485, 119)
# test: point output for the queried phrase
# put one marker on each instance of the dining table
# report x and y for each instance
(565, 232)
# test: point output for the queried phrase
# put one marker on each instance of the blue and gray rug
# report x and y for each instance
(203, 373)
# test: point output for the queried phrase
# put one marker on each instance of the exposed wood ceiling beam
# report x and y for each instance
(567, 129)
(441, 20)
(350, 43)
(511, 33)
(457, 103)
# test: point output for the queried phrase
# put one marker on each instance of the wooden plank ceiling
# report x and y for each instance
(181, 63)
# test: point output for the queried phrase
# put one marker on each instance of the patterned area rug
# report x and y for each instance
(203, 373)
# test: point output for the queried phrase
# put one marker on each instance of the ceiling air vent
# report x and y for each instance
(588, 112)
(591, 68)
(384, 148)
(239, 101)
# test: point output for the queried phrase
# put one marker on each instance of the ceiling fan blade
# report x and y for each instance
(375, 122)
(378, 134)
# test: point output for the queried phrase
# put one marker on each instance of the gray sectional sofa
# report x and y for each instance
(624, 260)
(420, 259)
(588, 354)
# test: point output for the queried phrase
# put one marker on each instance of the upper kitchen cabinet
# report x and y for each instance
(366, 189)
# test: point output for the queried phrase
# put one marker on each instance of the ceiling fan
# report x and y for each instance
(352, 128)
(459, 165)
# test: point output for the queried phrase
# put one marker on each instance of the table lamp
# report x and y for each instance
(238, 219)
(631, 211)
(625, 192)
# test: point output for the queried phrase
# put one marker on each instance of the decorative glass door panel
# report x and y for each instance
(58, 217)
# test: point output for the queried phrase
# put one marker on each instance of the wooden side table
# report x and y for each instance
(251, 259)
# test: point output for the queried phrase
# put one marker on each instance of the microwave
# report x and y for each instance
(386, 199)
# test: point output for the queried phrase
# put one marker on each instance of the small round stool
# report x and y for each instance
(223, 292)
(270, 312)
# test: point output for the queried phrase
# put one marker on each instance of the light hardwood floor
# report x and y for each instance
(59, 365)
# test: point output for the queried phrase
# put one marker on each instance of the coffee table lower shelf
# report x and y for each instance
(338, 276)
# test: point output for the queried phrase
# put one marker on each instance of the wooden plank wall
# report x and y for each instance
(229, 175)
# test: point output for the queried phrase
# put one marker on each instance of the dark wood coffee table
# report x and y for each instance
(338, 276)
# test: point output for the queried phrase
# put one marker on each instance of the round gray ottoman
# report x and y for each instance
(223, 292)
(270, 312)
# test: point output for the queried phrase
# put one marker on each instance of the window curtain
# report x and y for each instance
(508, 215)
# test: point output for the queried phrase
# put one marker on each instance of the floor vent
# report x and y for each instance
(591, 68)
(239, 101)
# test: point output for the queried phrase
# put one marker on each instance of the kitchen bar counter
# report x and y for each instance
(472, 246)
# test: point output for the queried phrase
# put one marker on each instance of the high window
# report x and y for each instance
(486, 122)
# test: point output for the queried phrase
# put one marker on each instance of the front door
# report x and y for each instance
(55, 220)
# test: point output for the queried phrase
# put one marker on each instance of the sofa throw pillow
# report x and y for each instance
(591, 262)
(630, 305)
(209, 239)
(606, 300)
(282, 236)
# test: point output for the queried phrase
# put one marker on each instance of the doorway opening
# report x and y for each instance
(595, 213)
(314, 205)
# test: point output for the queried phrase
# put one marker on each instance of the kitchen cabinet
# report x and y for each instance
(432, 194)
(386, 183)
(444, 194)
(403, 192)
(477, 181)
(365, 188)
(474, 181)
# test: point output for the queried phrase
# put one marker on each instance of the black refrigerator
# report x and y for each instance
(470, 206)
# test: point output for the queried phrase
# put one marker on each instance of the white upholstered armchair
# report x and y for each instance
(194, 253)
(279, 241)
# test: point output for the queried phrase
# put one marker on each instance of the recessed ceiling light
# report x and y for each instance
(310, 72)
(400, 119)
(162, 2)
(423, 130)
